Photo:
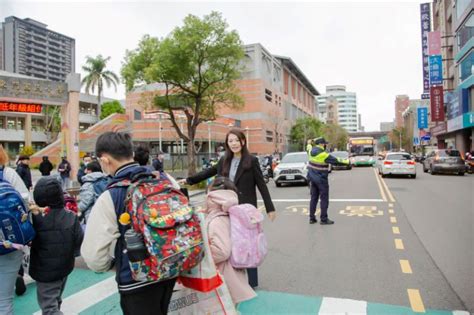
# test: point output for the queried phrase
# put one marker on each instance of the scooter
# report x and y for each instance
(266, 175)
(470, 166)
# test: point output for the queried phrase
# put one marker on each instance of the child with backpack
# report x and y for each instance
(221, 197)
(15, 230)
(58, 236)
(94, 183)
(137, 223)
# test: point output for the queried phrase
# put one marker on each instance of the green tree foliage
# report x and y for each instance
(197, 65)
(97, 74)
(305, 128)
(394, 137)
(336, 136)
(109, 108)
(52, 123)
(27, 150)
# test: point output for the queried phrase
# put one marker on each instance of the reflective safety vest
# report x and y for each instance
(318, 161)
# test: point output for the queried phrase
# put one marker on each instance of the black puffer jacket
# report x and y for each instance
(58, 234)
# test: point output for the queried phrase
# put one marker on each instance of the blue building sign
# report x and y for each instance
(436, 70)
(422, 117)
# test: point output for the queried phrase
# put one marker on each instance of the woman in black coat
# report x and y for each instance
(244, 171)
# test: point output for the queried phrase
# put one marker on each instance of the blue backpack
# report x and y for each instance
(15, 225)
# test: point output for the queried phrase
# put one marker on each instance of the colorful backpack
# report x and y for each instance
(15, 225)
(169, 226)
(249, 245)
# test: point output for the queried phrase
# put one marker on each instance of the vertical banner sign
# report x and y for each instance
(437, 104)
(436, 70)
(422, 117)
(425, 15)
(434, 43)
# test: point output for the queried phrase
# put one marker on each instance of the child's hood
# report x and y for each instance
(221, 200)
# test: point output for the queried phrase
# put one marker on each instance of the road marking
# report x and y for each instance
(390, 205)
(395, 230)
(391, 211)
(399, 244)
(390, 196)
(331, 200)
(86, 298)
(393, 220)
(342, 306)
(361, 211)
(415, 301)
(380, 186)
(405, 265)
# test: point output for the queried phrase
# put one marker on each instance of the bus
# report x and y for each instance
(362, 151)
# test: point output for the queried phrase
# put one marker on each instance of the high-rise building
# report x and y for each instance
(346, 107)
(29, 48)
(1, 49)
(401, 104)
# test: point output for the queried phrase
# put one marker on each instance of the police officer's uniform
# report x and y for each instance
(318, 169)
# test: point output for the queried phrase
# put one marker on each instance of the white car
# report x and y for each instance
(397, 163)
(292, 169)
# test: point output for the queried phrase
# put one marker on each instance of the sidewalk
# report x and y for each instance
(88, 293)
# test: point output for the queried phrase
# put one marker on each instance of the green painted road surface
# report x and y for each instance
(88, 293)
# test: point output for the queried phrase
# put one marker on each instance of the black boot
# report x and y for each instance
(312, 221)
(20, 287)
(327, 222)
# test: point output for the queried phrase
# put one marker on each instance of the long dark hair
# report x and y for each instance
(245, 159)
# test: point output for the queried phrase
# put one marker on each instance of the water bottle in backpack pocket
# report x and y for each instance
(15, 225)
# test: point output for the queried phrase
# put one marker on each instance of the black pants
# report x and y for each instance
(319, 189)
(253, 277)
(153, 300)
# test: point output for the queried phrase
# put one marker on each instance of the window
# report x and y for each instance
(20, 124)
(466, 66)
(37, 124)
(11, 123)
(466, 32)
(268, 95)
(2, 122)
(269, 136)
(137, 115)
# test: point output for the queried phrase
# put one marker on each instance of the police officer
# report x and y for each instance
(318, 169)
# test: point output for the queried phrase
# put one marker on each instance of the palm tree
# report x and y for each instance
(97, 74)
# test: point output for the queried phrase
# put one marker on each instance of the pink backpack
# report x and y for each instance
(249, 245)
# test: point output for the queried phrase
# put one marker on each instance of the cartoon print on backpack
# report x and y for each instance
(160, 215)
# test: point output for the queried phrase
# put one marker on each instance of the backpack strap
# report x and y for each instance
(1, 172)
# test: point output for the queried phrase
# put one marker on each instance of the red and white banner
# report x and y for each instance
(437, 103)
(434, 43)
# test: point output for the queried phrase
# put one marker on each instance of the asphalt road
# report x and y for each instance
(396, 241)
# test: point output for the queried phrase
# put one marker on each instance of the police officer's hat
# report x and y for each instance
(320, 140)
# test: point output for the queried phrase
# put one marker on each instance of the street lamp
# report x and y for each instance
(209, 138)
(159, 131)
(247, 136)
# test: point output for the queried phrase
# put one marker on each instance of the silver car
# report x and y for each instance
(444, 161)
(397, 163)
(292, 169)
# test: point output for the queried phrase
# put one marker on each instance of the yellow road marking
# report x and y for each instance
(380, 186)
(391, 211)
(405, 265)
(393, 220)
(395, 230)
(415, 301)
(399, 244)
(390, 205)
(390, 196)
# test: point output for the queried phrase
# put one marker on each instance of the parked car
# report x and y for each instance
(291, 169)
(397, 163)
(444, 161)
(344, 156)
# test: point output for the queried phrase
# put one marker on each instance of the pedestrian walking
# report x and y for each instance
(10, 263)
(58, 236)
(82, 170)
(104, 235)
(94, 184)
(158, 162)
(64, 170)
(243, 169)
(23, 170)
(142, 156)
(223, 195)
(45, 166)
(318, 170)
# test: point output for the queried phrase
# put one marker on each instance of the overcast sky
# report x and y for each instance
(373, 47)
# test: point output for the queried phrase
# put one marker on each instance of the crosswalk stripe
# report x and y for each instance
(84, 299)
(331, 200)
(342, 306)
